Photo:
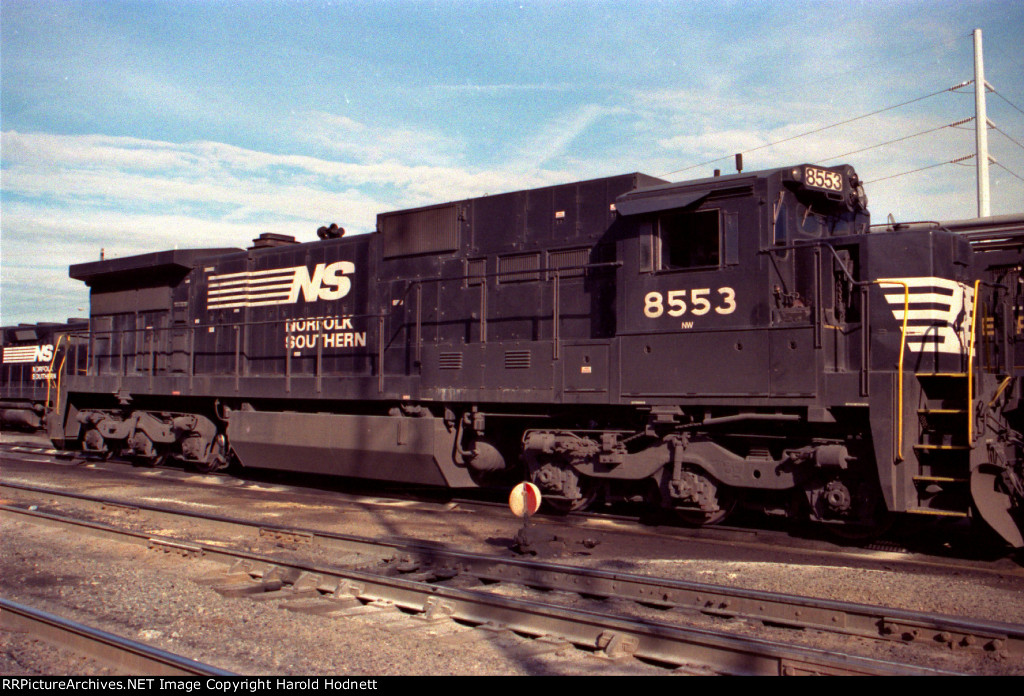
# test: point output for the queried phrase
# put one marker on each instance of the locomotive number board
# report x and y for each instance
(823, 179)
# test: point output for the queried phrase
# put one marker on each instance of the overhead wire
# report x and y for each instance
(1007, 170)
(824, 128)
(906, 137)
(956, 124)
(1006, 100)
(921, 169)
(1007, 135)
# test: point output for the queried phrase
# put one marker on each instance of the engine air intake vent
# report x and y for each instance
(450, 361)
(509, 268)
(424, 231)
(517, 359)
(569, 262)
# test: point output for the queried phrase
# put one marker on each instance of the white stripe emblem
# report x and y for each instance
(28, 354)
(939, 312)
(327, 281)
(250, 288)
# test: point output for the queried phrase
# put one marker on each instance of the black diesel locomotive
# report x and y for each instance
(743, 339)
(35, 359)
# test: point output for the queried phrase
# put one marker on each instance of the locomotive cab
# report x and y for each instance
(783, 349)
(716, 290)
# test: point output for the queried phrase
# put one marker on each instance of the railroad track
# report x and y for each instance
(430, 567)
(122, 655)
(604, 522)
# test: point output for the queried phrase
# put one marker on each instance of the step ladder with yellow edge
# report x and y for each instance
(946, 437)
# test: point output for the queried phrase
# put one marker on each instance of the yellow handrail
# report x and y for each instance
(970, 368)
(999, 392)
(49, 369)
(60, 373)
(899, 374)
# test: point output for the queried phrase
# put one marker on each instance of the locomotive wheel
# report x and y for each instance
(861, 532)
(562, 506)
(880, 522)
(698, 518)
(217, 457)
(158, 458)
(94, 444)
(726, 498)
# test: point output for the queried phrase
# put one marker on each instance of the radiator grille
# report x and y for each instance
(420, 231)
(450, 361)
(517, 359)
(509, 267)
(475, 270)
(569, 262)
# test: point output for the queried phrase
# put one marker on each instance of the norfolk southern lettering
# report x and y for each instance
(328, 332)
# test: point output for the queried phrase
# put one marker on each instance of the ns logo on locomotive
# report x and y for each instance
(741, 340)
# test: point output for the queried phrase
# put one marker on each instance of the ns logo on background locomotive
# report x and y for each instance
(35, 357)
(743, 339)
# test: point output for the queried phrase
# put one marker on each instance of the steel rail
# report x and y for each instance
(591, 520)
(849, 618)
(123, 655)
(647, 639)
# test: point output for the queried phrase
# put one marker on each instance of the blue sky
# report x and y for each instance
(138, 126)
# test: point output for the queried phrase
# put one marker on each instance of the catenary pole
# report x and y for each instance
(981, 128)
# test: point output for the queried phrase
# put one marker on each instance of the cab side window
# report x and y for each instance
(689, 240)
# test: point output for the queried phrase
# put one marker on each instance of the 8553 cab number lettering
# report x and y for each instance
(696, 302)
(823, 179)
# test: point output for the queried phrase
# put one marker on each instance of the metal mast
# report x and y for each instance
(981, 127)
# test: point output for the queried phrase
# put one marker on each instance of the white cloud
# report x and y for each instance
(554, 139)
(136, 174)
(67, 196)
(351, 140)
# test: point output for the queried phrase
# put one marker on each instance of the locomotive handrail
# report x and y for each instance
(49, 371)
(972, 346)
(810, 244)
(59, 375)
(554, 275)
(150, 347)
(894, 226)
(865, 309)
(970, 367)
(497, 274)
(818, 243)
(899, 369)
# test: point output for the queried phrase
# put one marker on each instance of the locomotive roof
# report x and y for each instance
(639, 179)
(995, 224)
(182, 259)
(679, 194)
